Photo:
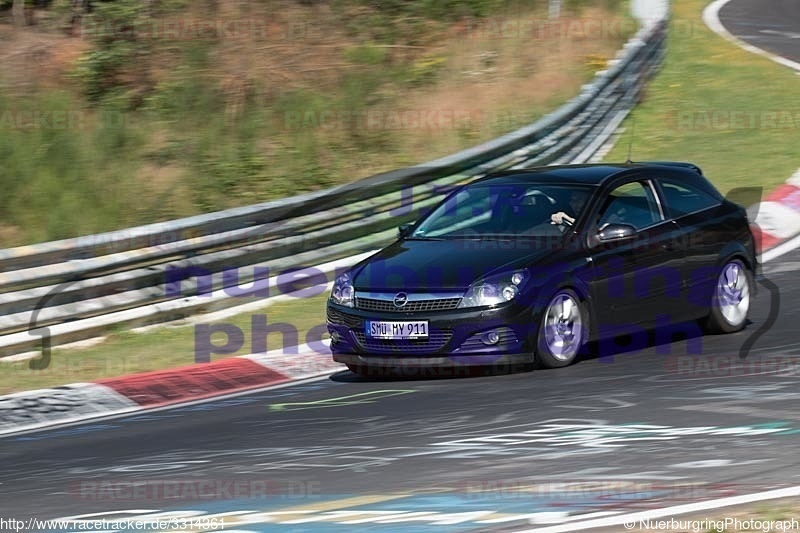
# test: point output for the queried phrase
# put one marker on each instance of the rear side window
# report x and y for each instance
(684, 198)
(632, 203)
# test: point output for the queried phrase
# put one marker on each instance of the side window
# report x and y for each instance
(632, 203)
(682, 198)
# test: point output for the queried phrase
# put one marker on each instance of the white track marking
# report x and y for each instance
(114, 416)
(668, 511)
(711, 19)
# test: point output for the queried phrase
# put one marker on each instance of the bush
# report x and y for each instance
(112, 31)
(57, 180)
(366, 54)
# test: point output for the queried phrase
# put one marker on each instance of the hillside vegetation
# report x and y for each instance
(137, 111)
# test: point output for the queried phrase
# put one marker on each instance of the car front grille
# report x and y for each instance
(435, 342)
(438, 304)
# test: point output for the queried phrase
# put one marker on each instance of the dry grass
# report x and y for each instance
(211, 129)
(34, 60)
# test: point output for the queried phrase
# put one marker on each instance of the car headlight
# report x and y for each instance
(494, 290)
(342, 292)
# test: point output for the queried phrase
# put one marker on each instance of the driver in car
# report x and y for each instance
(576, 201)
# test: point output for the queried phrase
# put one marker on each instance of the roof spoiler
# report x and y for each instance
(690, 166)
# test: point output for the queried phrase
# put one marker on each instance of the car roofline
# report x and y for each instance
(615, 170)
(676, 164)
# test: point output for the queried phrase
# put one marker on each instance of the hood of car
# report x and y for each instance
(431, 265)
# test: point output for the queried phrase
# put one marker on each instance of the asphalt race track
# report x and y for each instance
(647, 428)
(771, 25)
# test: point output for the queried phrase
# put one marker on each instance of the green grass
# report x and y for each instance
(63, 176)
(128, 352)
(705, 77)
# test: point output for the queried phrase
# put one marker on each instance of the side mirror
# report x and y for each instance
(616, 232)
(403, 230)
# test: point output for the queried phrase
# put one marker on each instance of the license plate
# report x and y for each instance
(416, 329)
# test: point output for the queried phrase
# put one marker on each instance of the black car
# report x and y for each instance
(526, 266)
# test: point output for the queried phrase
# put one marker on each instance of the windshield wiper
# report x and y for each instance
(424, 238)
(494, 236)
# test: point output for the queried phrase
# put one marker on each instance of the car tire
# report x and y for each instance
(730, 301)
(563, 330)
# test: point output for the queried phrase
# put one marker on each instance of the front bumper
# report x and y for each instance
(401, 363)
(455, 337)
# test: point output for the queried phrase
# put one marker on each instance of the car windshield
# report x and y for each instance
(507, 210)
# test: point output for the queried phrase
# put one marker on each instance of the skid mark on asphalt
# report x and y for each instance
(352, 399)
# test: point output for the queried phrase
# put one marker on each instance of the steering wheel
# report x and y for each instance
(537, 193)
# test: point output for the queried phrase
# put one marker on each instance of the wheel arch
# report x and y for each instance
(735, 250)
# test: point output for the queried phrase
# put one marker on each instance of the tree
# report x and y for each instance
(18, 12)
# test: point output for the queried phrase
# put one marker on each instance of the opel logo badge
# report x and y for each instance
(400, 299)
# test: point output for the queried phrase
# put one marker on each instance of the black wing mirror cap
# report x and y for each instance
(616, 232)
(403, 230)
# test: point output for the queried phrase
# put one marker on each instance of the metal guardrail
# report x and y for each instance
(79, 288)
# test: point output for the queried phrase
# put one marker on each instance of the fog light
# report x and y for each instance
(335, 337)
(491, 337)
